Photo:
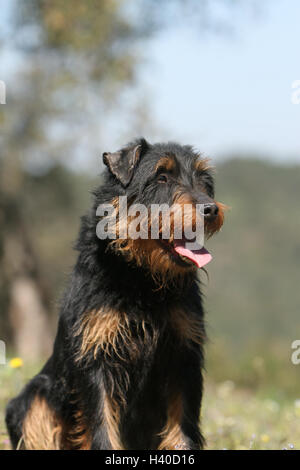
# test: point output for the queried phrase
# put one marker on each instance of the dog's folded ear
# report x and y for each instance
(123, 163)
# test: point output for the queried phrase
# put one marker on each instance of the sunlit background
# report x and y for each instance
(86, 77)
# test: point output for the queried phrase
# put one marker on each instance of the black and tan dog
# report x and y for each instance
(126, 370)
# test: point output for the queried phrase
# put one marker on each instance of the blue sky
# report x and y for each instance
(224, 94)
(231, 94)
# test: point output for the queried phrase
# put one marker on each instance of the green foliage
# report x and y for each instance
(53, 204)
(97, 36)
(238, 419)
(253, 294)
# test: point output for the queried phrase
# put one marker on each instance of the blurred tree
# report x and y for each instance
(72, 50)
(76, 60)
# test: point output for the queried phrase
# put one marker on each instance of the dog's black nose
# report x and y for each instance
(210, 211)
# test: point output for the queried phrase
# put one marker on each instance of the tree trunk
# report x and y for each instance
(29, 320)
(25, 319)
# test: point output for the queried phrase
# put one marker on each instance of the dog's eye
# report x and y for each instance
(162, 178)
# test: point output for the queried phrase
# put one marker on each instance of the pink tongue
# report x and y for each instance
(199, 257)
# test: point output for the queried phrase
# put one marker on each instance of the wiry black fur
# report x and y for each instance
(104, 279)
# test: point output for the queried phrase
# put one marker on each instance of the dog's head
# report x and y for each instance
(167, 191)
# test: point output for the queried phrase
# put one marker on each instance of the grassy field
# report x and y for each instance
(233, 417)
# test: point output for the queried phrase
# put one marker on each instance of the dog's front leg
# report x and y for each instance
(100, 439)
(173, 436)
(181, 430)
(192, 398)
(106, 424)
